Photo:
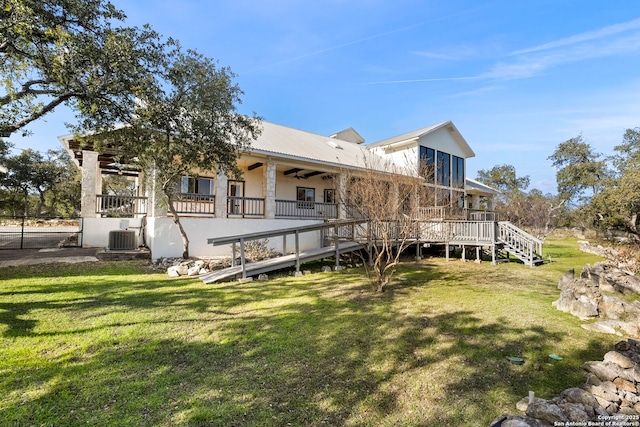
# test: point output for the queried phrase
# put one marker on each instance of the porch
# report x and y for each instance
(191, 204)
(116, 206)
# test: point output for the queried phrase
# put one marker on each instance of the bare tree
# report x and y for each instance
(389, 199)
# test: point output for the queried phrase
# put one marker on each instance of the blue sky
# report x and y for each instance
(516, 77)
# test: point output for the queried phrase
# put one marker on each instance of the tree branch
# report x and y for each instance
(37, 114)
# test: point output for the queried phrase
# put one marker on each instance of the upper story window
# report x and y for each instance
(427, 163)
(443, 165)
(457, 172)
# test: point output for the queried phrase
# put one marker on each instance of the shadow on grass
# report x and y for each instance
(276, 353)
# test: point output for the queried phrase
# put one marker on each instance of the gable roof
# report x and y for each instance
(414, 136)
(286, 142)
(349, 134)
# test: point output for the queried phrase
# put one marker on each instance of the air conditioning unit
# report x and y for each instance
(120, 240)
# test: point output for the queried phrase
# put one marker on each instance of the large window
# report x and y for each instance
(201, 185)
(306, 197)
(444, 169)
(457, 172)
(427, 163)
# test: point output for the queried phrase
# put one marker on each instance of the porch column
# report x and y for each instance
(221, 195)
(269, 190)
(91, 184)
(155, 198)
(342, 195)
(473, 202)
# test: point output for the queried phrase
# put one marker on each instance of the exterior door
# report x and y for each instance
(236, 193)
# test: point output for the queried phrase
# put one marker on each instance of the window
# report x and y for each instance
(205, 186)
(187, 185)
(427, 163)
(329, 195)
(457, 172)
(444, 169)
(306, 197)
(201, 186)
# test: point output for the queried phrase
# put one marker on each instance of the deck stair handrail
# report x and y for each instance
(520, 243)
(241, 239)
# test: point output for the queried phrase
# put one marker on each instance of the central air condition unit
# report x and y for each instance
(120, 240)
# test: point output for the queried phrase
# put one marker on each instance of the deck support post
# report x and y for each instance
(464, 254)
(493, 254)
(446, 251)
(478, 254)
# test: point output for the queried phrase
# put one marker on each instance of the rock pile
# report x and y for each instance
(597, 294)
(611, 394)
(177, 267)
(192, 267)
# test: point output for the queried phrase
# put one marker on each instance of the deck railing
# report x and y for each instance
(476, 232)
(300, 209)
(192, 203)
(110, 205)
(245, 207)
(429, 212)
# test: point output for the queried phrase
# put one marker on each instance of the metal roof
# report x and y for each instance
(291, 143)
(471, 185)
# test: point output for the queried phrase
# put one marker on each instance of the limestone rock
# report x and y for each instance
(619, 359)
(604, 371)
(601, 327)
(547, 412)
(578, 395)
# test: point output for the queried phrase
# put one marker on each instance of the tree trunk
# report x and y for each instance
(41, 203)
(176, 220)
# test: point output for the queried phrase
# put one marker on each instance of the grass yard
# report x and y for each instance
(114, 344)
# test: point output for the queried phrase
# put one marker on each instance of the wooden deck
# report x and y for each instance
(342, 236)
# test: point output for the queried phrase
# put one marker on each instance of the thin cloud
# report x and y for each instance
(336, 47)
(437, 79)
(364, 39)
(434, 55)
(536, 60)
(583, 37)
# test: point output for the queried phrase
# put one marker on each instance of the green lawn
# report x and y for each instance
(116, 344)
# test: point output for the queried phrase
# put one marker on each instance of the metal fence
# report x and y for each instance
(39, 233)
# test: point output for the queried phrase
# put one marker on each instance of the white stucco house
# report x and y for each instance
(289, 179)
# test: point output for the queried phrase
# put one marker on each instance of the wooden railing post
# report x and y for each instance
(335, 243)
(297, 251)
(242, 260)
(233, 255)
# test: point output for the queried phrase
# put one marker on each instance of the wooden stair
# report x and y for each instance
(519, 243)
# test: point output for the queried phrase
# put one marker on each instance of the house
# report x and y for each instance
(290, 178)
